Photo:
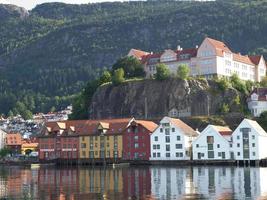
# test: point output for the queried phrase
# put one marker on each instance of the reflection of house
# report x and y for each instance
(249, 141)
(170, 183)
(171, 140)
(136, 182)
(14, 142)
(101, 181)
(211, 58)
(136, 140)
(212, 143)
(257, 101)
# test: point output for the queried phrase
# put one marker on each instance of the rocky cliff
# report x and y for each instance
(154, 99)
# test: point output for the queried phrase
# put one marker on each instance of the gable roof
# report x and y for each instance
(184, 127)
(90, 127)
(219, 46)
(138, 53)
(255, 59)
(256, 126)
(223, 130)
(261, 92)
(149, 125)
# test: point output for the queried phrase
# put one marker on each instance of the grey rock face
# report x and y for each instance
(154, 99)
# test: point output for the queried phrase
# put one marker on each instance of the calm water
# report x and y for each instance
(133, 183)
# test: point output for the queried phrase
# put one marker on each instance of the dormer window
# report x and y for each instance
(254, 97)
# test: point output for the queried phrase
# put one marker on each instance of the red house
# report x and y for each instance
(58, 140)
(136, 140)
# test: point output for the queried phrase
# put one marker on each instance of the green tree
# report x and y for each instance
(132, 67)
(183, 71)
(4, 152)
(225, 108)
(263, 82)
(105, 77)
(10, 114)
(223, 83)
(163, 72)
(238, 84)
(262, 120)
(118, 76)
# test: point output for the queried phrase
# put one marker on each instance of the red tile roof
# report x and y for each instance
(90, 127)
(255, 59)
(223, 130)
(139, 53)
(185, 128)
(149, 125)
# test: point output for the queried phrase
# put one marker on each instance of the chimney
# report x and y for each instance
(196, 46)
(179, 48)
(151, 52)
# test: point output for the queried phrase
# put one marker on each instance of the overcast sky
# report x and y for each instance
(29, 4)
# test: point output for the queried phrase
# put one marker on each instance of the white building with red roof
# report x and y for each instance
(213, 143)
(172, 140)
(211, 58)
(257, 101)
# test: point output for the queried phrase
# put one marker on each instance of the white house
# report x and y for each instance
(213, 143)
(257, 101)
(171, 140)
(249, 141)
(211, 58)
(2, 139)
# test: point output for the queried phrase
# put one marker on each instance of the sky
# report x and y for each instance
(29, 4)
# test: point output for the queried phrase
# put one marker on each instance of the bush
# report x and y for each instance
(105, 78)
(225, 108)
(163, 72)
(118, 76)
(223, 83)
(132, 67)
(183, 71)
(238, 84)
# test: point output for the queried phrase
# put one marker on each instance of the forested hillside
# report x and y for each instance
(49, 53)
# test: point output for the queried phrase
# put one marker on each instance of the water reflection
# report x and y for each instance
(134, 183)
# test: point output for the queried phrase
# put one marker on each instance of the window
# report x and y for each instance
(254, 153)
(197, 145)
(219, 154)
(210, 154)
(158, 155)
(154, 146)
(179, 154)
(136, 137)
(178, 137)
(253, 137)
(238, 153)
(161, 130)
(210, 139)
(168, 147)
(179, 146)
(238, 137)
(82, 138)
(168, 155)
(231, 145)
(167, 131)
(96, 153)
(156, 138)
(167, 139)
(154, 155)
(253, 145)
(238, 144)
(158, 146)
(173, 129)
(218, 145)
(210, 146)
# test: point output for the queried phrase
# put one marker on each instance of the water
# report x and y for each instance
(133, 183)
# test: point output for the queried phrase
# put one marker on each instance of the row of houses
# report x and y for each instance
(17, 144)
(211, 58)
(116, 140)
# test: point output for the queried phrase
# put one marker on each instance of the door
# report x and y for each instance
(199, 156)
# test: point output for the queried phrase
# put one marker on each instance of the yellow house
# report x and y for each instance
(27, 148)
(101, 141)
